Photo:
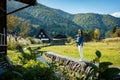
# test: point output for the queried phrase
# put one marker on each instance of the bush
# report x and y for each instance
(69, 39)
(26, 67)
(11, 45)
(37, 70)
(33, 70)
(34, 40)
(101, 71)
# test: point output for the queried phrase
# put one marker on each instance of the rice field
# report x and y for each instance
(110, 51)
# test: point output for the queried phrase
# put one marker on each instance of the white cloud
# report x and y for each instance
(116, 14)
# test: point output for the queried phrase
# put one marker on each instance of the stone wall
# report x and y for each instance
(76, 68)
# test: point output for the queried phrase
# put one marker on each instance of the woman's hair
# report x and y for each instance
(80, 30)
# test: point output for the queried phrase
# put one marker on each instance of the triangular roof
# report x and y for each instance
(41, 33)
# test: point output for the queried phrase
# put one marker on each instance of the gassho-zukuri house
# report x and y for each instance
(57, 40)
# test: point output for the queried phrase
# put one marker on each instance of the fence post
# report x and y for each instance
(4, 36)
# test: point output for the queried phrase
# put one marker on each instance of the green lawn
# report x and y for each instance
(110, 51)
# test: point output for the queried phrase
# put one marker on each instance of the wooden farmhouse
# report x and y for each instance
(57, 40)
(43, 36)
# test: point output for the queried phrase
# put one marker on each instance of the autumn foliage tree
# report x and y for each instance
(24, 29)
(117, 33)
(16, 25)
(97, 34)
(12, 22)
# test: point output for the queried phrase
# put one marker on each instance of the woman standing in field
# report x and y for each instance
(80, 40)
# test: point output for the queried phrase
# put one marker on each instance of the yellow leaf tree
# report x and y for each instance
(24, 29)
(97, 34)
(12, 22)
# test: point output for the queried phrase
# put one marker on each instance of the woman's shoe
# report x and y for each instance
(81, 60)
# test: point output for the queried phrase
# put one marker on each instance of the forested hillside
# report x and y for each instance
(91, 21)
(56, 21)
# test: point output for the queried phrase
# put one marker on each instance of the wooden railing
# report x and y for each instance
(2, 38)
(3, 43)
(4, 60)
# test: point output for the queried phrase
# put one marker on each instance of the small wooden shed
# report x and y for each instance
(59, 40)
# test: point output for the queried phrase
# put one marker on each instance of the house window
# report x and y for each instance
(43, 35)
(39, 36)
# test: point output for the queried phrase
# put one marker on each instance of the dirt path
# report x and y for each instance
(69, 58)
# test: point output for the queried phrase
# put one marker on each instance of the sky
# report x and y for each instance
(85, 6)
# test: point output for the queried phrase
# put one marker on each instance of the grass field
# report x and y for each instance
(110, 51)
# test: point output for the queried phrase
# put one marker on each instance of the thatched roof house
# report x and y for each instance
(57, 40)
(43, 36)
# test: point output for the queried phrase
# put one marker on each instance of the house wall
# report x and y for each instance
(45, 41)
(58, 42)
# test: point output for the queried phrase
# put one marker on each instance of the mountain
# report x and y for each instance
(52, 20)
(56, 21)
(92, 21)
